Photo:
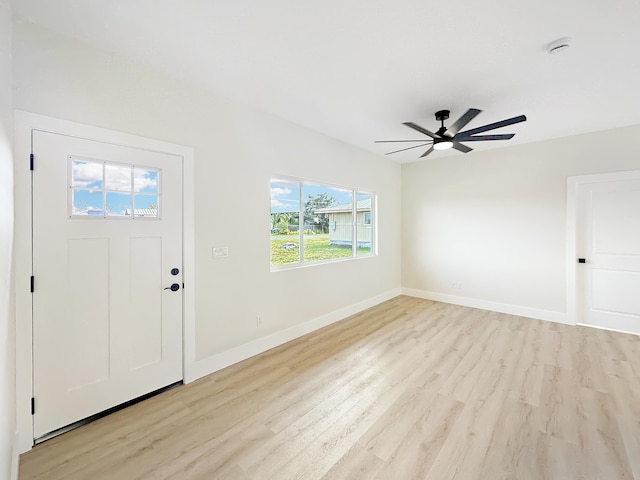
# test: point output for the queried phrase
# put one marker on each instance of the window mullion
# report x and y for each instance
(301, 223)
(354, 223)
(104, 190)
(131, 187)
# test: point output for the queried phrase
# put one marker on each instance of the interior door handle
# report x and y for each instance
(174, 287)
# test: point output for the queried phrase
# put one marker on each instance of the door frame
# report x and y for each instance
(24, 124)
(573, 187)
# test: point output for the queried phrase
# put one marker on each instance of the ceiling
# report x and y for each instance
(356, 69)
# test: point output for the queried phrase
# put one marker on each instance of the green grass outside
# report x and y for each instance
(316, 249)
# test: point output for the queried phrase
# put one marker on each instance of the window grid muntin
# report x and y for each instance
(72, 187)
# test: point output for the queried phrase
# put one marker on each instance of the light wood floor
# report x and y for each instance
(408, 389)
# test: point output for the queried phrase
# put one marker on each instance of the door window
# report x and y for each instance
(103, 189)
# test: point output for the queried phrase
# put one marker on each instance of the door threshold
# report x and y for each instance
(84, 421)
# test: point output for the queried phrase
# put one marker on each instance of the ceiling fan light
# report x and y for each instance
(442, 144)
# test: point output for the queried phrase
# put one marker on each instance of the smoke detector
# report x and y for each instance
(558, 46)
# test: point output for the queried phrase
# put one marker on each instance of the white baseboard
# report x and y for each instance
(538, 314)
(224, 359)
(607, 329)
(15, 459)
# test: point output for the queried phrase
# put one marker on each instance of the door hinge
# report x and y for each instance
(33, 283)
(33, 406)
(31, 161)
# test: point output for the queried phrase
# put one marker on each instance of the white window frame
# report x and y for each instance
(354, 223)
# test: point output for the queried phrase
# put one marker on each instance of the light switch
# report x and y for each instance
(220, 252)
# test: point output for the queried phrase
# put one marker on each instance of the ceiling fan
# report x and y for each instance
(445, 138)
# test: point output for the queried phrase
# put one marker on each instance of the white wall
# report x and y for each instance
(496, 221)
(237, 149)
(7, 332)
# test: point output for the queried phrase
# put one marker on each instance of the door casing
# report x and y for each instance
(24, 124)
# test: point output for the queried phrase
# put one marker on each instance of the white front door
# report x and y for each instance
(608, 242)
(107, 244)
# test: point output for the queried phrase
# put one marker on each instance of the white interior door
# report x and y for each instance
(608, 239)
(107, 233)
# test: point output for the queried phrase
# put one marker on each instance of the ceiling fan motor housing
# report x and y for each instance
(442, 115)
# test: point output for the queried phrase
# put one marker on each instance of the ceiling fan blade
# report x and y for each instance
(461, 122)
(477, 138)
(461, 148)
(409, 148)
(420, 129)
(427, 152)
(394, 141)
(493, 126)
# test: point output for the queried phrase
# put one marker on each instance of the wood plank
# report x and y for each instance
(408, 389)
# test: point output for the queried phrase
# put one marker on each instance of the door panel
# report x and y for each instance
(88, 314)
(616, 291)
(145, 295)
(609, 239)
(616, 216)
(104, 329)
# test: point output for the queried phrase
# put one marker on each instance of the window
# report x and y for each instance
(104, 189)
(285, 222)
(312, 222)
(364, 202)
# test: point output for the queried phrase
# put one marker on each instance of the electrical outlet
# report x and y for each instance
(456, 284)
(258, 321)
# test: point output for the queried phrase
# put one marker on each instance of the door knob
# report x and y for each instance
(175, 271)
(174, 287)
